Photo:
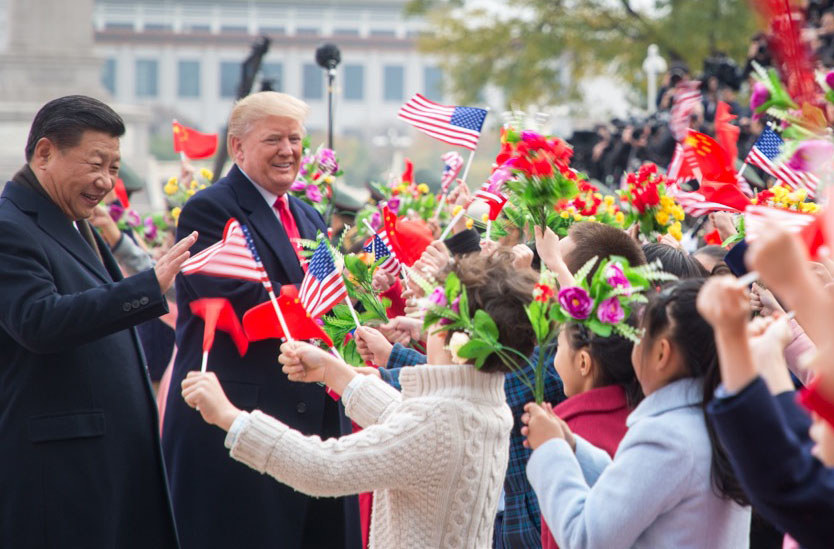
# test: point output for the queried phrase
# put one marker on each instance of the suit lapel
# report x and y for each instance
(262, 220)
(56, 225)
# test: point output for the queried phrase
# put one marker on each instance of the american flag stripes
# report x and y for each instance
(493, 197)
(453, 162)
(765, 153)
(695, 204)
(761, 219)
(233, 257)
(323, 285)
(379, 247)
(687, 96)
(449, 123)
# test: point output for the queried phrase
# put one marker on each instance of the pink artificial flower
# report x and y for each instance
(376, 221)
(116, 211)
(313, 193)
(758, 98)
(610, 311)
(438, 297)
(133, 218)
(576, 302)
(394, 205)
(615, 276)
(298, 185)
(150, 229)
(829, 79)
(812, 156)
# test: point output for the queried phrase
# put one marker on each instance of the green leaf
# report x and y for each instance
(477, 349)
(485, 325)
(452, 287)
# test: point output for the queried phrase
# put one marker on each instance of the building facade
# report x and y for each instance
(182, 58)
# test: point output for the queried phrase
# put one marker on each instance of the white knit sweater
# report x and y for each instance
(434, 456)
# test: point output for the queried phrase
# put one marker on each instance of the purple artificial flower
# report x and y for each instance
(394, 205)
(327, 161)
(298, 185)
(610, 311)
(829, 79)
(811, 156)
(150, 229)
(499, 177)
(438, 297)
(616, 277)
(313, 193)
(116, 212)
(133, 218)
(758, 97)
(456, 305)
(376, 221)
(576, 302)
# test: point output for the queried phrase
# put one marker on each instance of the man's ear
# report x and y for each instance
(235, 150)
(45, 150)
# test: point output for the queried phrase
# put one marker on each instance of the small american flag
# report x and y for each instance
(453, 162)
(695, 204)
(760, 219)
(686, 97)
(323, 285)
(449, 123)
(764, 154)
(233, 257)
(380, 249)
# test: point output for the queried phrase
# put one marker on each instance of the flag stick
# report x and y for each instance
(278, 312)
(453, 222)
(352, 311)
(741, 171)
(748, 279)
(205, 362)
(440, 204)
(489, 228)
(468, 165)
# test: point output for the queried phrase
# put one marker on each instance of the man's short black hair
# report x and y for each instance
(63, 120)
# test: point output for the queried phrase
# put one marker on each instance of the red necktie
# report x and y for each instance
(290, 227)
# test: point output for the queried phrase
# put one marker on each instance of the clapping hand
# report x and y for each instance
(541, 425)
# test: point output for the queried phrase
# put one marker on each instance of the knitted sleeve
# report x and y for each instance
(370, 400)
(361, 462)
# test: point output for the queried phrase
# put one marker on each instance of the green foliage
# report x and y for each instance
(523, 46)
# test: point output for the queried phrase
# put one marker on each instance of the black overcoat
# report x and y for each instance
(219, 502)
(80, 460)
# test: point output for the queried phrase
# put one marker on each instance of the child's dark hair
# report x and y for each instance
(494, 285)
(674, 261)
(612, 355)
(673, 309)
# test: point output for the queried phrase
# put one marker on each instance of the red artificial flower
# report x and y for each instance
(543, 293)
(542, 167)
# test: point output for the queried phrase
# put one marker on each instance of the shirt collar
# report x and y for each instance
(269, 196)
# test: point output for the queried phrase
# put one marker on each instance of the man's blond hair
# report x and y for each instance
(259, 105)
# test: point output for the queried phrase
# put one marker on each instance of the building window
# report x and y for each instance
(274, 72)
(147, 72)
(307, 31)
(393, 76)
(188, 79)
(229, 78)
(346, 32)
(108, 75)
(354, 82)
(433, 83)
(312, 82)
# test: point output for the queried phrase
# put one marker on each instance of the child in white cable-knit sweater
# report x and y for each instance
(434, 455)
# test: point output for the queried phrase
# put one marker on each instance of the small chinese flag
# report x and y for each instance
(121, 193)
(261, 322)
(217, 312)
(408, 174)
(192, 143)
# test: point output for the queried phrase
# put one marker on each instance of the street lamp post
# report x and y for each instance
(654, 65)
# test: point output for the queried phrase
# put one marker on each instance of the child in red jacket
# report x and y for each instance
(599, 380)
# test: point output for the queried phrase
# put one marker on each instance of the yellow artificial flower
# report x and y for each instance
(591, 218)
(577, 217)
(675, 230)
(678, 213)
(175, 213)
(609, 200)
(779, 192)
(619, 217)
(193, 185)
(598, 196)
(171, 189)
(206, 174)
(328, 179)
(662, 217)
(485, 217)
(799, 195)
(667, 202)
(470, 223)
(571, 210)
(422, 188)
(610, 210)
(457, 210)
(808, 207)
(402, 188)
(564, 214)
(190, 192)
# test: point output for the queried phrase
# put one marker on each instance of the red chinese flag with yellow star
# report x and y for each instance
(261, 322)
(715, 170)
(194, 144)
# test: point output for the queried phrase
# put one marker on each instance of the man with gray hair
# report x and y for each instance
(220, 503)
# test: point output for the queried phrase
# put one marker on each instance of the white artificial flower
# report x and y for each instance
(458, 340)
